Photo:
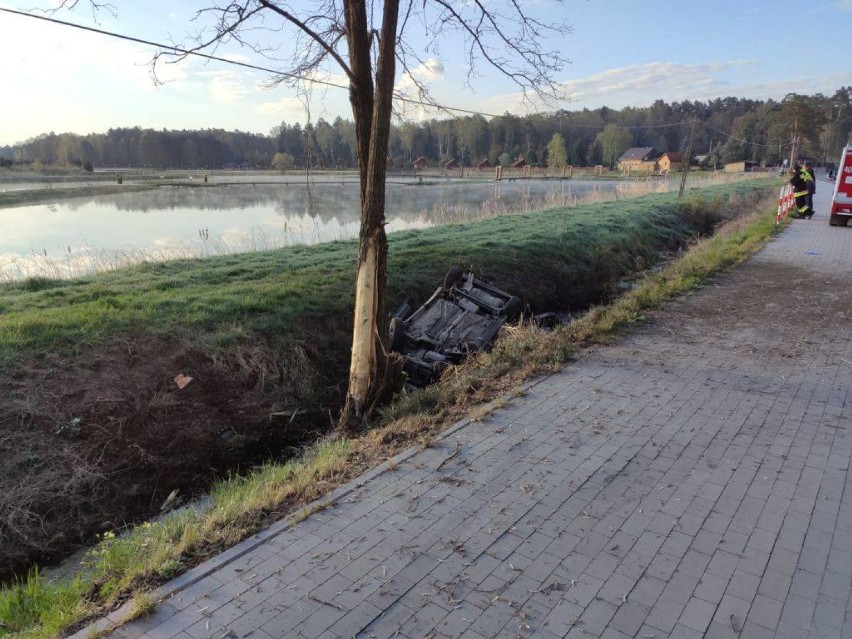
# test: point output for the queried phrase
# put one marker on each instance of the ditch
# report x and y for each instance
(98, 429)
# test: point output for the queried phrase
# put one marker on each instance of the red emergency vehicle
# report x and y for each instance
(841, 201)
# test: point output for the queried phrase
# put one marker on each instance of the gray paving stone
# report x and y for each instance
(681, 586)
(602, 566)
(734, 542)
(584, 590)
(765, 612)
(798, 611)
(711, 588)
(743, 585)
(597, 617)
(664, 614)
(751, 629)
(562, 617)
(683, 632)
(753, 561)
(806, 584)
(697, 614)
(818, 631)
(731, 607)
(723, 564)
(718, 630)
(830, 612)
(663, 566)
(629, 617)
(617, 589)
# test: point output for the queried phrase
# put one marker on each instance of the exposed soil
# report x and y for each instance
(91, 442)
(808, 311)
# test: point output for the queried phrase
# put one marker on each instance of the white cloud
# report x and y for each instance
(416, 85)
(226, 87)
(426, 73)
(283, 107)
(642, 84)
(236, 57)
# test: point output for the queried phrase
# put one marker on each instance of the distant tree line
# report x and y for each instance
(726, 130)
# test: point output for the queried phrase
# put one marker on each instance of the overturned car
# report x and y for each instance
(463, 316)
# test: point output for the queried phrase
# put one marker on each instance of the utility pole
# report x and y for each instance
(794, 147)
(794, 151)
(687, 160)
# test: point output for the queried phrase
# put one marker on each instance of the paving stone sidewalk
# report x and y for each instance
(689, 481)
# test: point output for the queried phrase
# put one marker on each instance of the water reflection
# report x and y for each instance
(80, 235)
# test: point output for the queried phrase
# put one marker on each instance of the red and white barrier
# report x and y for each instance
(785, 202)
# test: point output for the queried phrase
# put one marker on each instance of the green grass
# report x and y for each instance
(34, 607)
(229, 291)
(232, 298)
(155, 552)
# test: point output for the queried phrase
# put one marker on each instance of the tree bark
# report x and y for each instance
(371, 371)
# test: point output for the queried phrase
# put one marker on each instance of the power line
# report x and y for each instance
(278, 72)
(255, 67)
(633, 126)
(293, 76)
(743, 140)
(172, 48)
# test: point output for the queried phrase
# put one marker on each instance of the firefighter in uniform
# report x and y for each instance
(811, 184)
(799, 181)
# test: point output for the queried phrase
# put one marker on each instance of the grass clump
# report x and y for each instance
(34, 607)
(141, 605)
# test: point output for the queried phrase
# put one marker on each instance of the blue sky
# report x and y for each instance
(622, 52)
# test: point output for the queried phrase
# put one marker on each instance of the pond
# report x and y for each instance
(229, 214)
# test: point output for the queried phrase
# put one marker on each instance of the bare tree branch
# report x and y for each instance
(329, 47)
(520, 56)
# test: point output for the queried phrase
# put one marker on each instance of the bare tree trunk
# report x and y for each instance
(370, 371)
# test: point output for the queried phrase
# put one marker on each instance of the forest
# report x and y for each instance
(724, 129)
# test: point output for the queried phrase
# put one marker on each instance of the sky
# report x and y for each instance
(622, 53)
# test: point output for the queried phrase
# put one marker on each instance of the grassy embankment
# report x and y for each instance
(59, 194)
(230, 299)
(227, 299)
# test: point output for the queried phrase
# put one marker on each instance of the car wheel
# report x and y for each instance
(513, 308)
(452, 277)
(396, 333)
(833, 220)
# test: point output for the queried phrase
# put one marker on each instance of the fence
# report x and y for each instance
(785, 202)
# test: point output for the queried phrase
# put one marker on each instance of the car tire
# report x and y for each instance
(452, 277)
(833, 220)
(396, 335)
(513, 308)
